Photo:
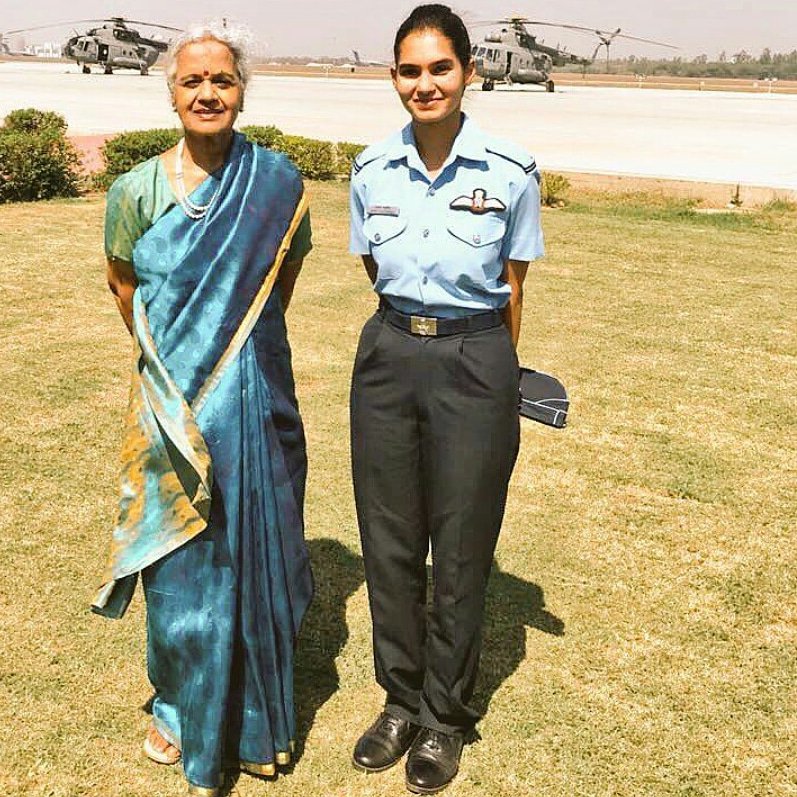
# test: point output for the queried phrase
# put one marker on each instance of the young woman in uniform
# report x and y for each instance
(446, 219)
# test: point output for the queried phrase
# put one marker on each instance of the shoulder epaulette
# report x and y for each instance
(517, 156)
(368, 155)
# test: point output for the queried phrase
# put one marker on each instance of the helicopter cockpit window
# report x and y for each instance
(482, 50)
(474, 49)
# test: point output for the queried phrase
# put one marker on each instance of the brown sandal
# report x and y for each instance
(168, 756)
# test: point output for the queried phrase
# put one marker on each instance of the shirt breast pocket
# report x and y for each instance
(384, 234)
(476, 244)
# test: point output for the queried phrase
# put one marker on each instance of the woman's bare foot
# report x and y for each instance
(159, 749)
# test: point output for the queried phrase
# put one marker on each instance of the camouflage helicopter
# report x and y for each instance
(513, 55)
(113, 45)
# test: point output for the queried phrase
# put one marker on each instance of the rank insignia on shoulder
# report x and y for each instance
(478, 203)
(383, 210)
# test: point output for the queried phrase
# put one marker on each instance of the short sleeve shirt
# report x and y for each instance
(440, 245)
(140, 197)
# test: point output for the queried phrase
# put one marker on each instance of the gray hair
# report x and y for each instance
(236, 38)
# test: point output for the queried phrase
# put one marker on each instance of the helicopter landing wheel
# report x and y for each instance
(86, 70)
(144, 71)
(488, 85)
(549, 87)
(108, 71)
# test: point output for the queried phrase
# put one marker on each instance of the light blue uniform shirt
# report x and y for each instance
(440, 245)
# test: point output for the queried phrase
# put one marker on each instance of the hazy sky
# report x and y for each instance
(304, 27)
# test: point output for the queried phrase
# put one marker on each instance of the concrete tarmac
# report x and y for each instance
(717, 137)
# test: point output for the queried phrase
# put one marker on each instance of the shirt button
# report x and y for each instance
(477, 239)
(377, 237)
(431, 192)
(425, 280)
(426, 233)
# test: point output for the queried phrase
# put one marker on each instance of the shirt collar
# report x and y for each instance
(467, 145)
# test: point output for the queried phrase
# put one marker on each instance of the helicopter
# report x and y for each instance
(5, 49)
(513, 55)
(113, 45)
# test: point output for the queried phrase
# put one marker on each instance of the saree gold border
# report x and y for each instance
(281, 759)
(253, 313)
(264, 770)
(202, 791)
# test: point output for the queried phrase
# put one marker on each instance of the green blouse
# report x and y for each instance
(140, 197)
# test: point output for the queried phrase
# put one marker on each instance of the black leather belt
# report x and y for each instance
(429, 326)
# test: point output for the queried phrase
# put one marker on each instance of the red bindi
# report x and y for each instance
(206, 73)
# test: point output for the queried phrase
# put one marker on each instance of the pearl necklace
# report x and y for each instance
(191, 210)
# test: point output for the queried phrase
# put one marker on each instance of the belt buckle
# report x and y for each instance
(420, 325)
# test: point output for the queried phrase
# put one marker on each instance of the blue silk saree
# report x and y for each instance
(213, 460)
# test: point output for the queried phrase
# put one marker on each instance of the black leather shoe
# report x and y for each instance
(433, 761)
(384, 743)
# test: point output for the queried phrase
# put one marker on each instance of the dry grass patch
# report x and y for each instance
(642, 635)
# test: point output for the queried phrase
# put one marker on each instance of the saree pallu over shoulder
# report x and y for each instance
(189, 327)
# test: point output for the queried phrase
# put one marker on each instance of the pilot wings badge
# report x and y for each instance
(478, 203)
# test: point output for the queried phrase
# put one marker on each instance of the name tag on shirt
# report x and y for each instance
(383, 210)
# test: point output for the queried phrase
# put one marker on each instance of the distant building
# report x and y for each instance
(46, 50)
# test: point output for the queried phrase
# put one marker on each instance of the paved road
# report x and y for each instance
(720, 137)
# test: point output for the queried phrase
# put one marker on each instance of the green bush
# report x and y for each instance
(264, 136)
(127, 150)
(318, 160)
(553, 188)
(31, 120)
(37, 166)
(36, 159)
(314, 159)
(346, 153)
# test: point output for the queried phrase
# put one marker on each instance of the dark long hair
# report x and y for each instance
(435, 16)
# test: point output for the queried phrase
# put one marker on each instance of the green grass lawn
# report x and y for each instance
(642, 628)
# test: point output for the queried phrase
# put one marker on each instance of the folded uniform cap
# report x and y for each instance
(543, 398)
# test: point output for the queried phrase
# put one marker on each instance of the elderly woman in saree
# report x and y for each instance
(204, 243)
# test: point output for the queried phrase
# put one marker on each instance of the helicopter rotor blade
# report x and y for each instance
(611, 34)
(152, 25)
(648, 41)
(52, 25)
(560, 25)
(507, 21)
(85, 22)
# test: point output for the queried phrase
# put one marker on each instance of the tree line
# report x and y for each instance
(742, 64)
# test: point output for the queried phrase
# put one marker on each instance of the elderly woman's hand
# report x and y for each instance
(122, 282)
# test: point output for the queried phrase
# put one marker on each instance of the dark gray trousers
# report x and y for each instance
(434, 437)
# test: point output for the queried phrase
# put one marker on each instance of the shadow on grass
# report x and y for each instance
(337, 573)
(512, 605)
